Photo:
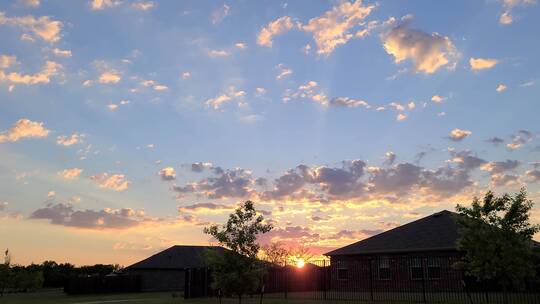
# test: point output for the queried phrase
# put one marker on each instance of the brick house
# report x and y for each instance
(166, 270)
(416, 255)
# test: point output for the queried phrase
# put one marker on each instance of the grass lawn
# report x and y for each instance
(58, 297)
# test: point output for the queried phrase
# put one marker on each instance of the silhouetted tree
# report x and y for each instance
(275, 254)
(238, 271)
(496, 236)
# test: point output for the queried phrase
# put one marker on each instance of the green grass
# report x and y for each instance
(58, 297)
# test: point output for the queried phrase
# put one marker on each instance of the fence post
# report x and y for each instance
(423, 281)
(371, 278)
(324, 279)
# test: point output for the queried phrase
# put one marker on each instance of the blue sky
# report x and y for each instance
(151, 119)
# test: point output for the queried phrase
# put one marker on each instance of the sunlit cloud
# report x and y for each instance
(102, 4)
(109, 77)
(69, 140)
(116, 182)
(24, 128)
(167, 173)
(44, 76)
(274, 28)
(230, 95)
(482, 63)
(143, 5)
(221, 13)
(283, 71)
(501, 88)
(61, 53)
(71, 173)
(459, 134)
(43, 27)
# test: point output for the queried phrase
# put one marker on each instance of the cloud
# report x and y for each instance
(200, 166)
(66, 215)
(206, 208)
(459, 134)
(69, 140)
(61, 53)
(50, 69)
(333, 28)
(143, 5)
(502, 180)
(437, 99)
(390, 158)
(116, 182)
(96, 5)
(24, 128)
(31, 3)
(219, 14)
(71, 173)
(7, 61)
(349, 102)
(231, 183)
(520, 138)
(43, 28)
(338, 25)
(466, 160)
(167, 173)
(109, 77)
(482, 63)
(218, 53)
(500, 166)
(533, 176)
(160, 87)
(428, 52)
(310, 90)
(186, 75)
(495, 140)
(232, 94)
(276, 27)
(3, 205)
(401, 117)
(284, 71)
(501, 88)
(240, 45)
(506, 17)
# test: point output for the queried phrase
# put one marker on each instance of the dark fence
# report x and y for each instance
(103, 284)
(398, 279)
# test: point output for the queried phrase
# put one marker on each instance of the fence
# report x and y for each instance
(102, 284)
(398, 279)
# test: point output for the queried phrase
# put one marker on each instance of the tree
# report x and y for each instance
(301, 253)
(238, 271)
(5, 272)
(276, 254)
(496, 236)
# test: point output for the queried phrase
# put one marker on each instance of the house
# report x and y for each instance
(167, 269)
(412, 256)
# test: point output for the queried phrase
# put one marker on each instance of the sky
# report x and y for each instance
(128, 126)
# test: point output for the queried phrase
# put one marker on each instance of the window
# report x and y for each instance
(433, 268)
(342, 274)
(384, 268)
(417, 271)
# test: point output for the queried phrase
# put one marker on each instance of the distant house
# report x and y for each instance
(166, 270)
(412, 255)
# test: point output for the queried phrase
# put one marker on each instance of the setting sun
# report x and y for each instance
(300, 263)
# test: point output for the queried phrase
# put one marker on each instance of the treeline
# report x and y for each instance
(49, 274)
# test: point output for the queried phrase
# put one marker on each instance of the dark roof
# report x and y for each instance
(438, 231)
(176, 257)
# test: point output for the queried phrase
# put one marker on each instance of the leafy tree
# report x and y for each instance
(5, 272)
(496, 236)
(238, 271)
(276, 254)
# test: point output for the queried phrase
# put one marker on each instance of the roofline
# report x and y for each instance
(330, 254)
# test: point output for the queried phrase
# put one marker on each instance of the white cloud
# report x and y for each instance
(186, 75)
(69, 140)
(501, 88)
(219, 14)
(337, 26)
(50, 69)
(459, 134)
(349, 102)
(218, 53)
(240, 45)
(160, 87)
(61, 53)
(102, 4)
(427, 52)
(401, 117)
(217, 102)
(310, 90)
(482, 63)
(72, 173)
(506, 17)
(116, 182)
(437, 99)
(143, 6)
(7, 61)
(276, 27)
(24, 128)
(167, 173)
(284, 71)
(31, 3)
(109, 77)
(42, 27)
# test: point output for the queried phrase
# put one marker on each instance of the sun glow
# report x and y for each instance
(300, 263)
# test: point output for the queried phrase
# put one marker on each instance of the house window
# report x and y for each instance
(417, 271)
(433, 268)
(342, 274)
(384, 268)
